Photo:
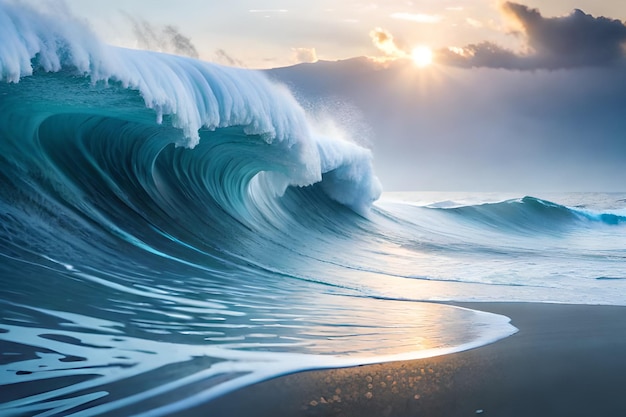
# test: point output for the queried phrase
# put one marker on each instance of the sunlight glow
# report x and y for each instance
(422, 56)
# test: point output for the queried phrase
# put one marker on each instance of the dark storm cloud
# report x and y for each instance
(576, 40)
(484, 54)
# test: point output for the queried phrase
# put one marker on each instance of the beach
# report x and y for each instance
(566, 360)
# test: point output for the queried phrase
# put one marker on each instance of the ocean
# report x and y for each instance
(172, 230)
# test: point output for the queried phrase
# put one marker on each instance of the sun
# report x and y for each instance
(422, 56)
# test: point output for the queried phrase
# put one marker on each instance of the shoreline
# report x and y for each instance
(565, 360)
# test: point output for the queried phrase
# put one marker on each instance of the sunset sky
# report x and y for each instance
(272, 33)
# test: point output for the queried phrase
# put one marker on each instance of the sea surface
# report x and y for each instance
(172, 230)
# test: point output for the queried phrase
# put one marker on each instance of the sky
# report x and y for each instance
(274, 33)
(521, 96)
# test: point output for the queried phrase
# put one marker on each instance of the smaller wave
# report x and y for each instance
(530, 213)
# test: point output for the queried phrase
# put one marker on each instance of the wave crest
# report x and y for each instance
(189, 95)
(531, 213)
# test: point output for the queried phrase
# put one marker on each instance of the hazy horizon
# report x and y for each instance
(481, 129)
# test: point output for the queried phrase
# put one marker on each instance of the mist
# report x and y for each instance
(478, 129)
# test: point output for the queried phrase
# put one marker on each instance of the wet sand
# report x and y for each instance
(566, 360)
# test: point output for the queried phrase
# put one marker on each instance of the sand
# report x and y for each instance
(566, 360)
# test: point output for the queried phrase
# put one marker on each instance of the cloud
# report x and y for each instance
(305, 54)
(419, 17)
(575, 40)
(474, 23)
(484, 54)
(384, 41)
(165, 38)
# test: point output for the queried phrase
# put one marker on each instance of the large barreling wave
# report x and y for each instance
(173, 229)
